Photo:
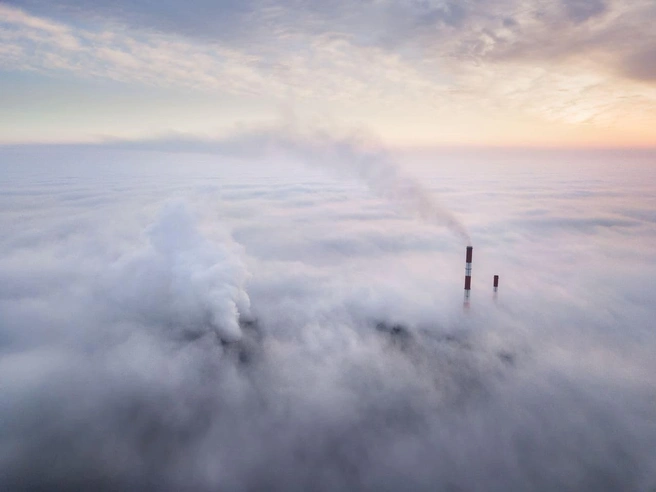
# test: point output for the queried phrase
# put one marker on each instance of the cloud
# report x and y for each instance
(255, 20)
(354, 366)
(642, 64)
(573, 54)
(150, 57)
(482, 26)
(418, 72)
(352, 154)
(583, 10)
(190, 284)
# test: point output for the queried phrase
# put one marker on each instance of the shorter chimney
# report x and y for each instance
(468, 270)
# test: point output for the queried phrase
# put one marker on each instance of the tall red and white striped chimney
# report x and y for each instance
(468, 270)
(496, 286)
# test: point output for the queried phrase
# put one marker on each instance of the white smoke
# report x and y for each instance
(349, 154)
(180, 279)
(368, 161)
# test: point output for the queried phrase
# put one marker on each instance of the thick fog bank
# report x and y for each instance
(169, 322)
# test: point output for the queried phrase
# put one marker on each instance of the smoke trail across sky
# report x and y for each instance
(349, 154)
(376, 168)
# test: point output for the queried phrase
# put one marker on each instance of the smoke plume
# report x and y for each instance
(181, 280)
(348, 154)
(369, 162)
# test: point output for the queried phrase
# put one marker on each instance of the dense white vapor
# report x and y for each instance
(181, 279)
(173, 321)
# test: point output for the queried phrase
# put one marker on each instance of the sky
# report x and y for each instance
(417, 73)
(234, 232)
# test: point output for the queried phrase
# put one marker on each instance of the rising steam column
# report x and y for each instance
(468, 270)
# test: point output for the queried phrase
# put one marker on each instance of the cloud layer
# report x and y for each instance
(192, 321)
(474, 30)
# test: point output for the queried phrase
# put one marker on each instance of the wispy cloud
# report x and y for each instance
(323, 66)
(474, 29)
(569, 61)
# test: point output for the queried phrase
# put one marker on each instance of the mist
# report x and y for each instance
(351, 154)
(368, 160)
(208, 321)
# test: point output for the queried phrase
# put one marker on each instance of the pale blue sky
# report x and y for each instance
(417, 73)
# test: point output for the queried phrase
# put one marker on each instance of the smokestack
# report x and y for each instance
(496, 286)
(468, 269)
